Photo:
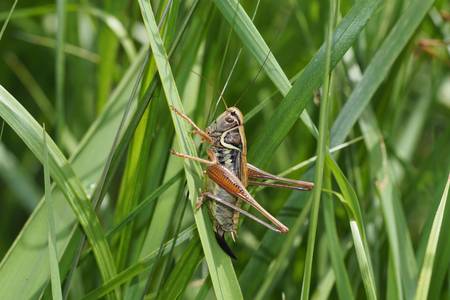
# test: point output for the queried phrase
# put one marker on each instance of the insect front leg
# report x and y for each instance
(187, 156)
(205, 137)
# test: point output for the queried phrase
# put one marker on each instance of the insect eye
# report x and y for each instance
(229, 120)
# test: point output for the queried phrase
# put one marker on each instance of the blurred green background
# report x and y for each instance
(80, 67)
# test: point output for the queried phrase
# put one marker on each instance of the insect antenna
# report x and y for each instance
(266, 58)
(211, 84)
(238, 55)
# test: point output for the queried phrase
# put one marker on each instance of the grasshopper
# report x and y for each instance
(229, 174)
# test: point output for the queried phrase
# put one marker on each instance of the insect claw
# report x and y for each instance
(199, 203)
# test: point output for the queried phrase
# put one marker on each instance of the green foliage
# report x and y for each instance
(371, 82)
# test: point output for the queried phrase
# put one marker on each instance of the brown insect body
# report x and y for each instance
(230, 149)
(228, 174)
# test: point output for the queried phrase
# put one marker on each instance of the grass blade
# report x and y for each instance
(32, 261)
(337, 254)
(252, 39)
(220, 267)
(427, 267)
(53, 255)
(350, 200)
(29, 130)
(322, 151)
(8, 17)
(398, 235)
(379, 67)
(60, 62)
(142, 266)
(310, 79)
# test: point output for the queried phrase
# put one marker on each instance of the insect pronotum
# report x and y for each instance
(229, 173)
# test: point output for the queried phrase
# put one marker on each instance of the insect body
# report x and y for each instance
(228, 173)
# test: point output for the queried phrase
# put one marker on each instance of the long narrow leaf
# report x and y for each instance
(423, 284)
(32, 261)
(220, 267)
(53, 255)
(345, 35)
(29, 130)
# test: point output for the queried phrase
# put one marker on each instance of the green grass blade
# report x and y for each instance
(53, 255)
(379, 67)
(182, 272)
(139, 209)
(351, 202)
(310, 79)
(142, 266)
(29, 130)
(108, 43)
(252, 39)
(8, 17)
(32, 261)
(60, 68)
(423, 283)
(398, 235)
(324, 287)
(220, 267)
(322, 151)
(18, 180)
(336, 252)
(31, 85)
(363, 261)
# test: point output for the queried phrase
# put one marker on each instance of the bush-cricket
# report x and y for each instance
(229, 174)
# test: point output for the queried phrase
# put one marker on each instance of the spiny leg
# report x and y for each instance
(278, 185)
(187, 156)
(205, 137)
(231, 183)
(234, 207)
(255, 173)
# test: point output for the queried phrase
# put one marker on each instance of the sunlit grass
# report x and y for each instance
(381, 228)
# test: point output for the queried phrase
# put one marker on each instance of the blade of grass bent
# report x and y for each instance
(350, 200)
(220, 267)
(423, 283)
(379, 67)
(310, 79)
(143, 265)
(20, 181)
(397, 231)
(32, 261)
(252, 39)
(53, 255)
(29, 131)
(336, 251)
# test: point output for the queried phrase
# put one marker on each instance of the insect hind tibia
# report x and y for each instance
(223, 244)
